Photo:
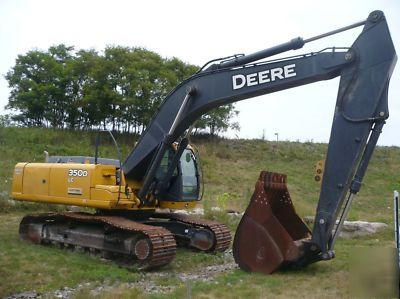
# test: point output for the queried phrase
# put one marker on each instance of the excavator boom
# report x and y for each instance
(361, 109)
(161, 171)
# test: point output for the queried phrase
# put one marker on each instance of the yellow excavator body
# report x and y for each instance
(161, 173)
(86, 185)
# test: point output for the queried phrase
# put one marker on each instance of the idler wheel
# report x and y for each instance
(142, 249)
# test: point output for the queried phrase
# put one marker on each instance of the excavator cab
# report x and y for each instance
(162, 173)
(184, 184)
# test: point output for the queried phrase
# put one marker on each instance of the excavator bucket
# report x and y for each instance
(270, 234)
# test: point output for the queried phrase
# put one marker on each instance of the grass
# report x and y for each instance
(25, 266)
(231, 168)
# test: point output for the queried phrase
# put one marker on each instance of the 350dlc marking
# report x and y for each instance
(77, 173)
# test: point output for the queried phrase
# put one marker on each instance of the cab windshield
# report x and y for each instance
(189, 175)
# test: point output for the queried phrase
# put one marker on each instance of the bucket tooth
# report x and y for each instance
(270, 234)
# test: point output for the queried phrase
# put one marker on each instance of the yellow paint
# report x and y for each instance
(39, 179)
(177, 205)
(86, 185)
(319, 170)
(18, 175)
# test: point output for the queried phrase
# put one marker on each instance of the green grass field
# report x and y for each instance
(231, 168)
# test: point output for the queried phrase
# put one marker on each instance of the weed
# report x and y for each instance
(231, 168)
(222, 201)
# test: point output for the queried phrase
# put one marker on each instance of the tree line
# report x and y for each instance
(119, 88)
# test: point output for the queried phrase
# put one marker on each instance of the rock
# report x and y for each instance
(147, 283)
(197, 211)
(65, 292)
(185, 212)
(234, 214)
(308, 219)
(353, 229)
(24, 295)
(73, 209)
(163, 210)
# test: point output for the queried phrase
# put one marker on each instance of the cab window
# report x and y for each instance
(164, 164)
(190, 178)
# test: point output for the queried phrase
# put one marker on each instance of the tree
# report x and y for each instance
(5, 121)
(40, 84)
(82, 113)
(144, 74)
(24, 80)
(120, 88)
(58, 85)
(218, 120)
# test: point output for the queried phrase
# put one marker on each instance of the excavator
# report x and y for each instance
(162, 171)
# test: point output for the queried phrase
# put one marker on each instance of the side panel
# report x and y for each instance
(70, 180)
(36, 179)
(86, 185)
(18, 178)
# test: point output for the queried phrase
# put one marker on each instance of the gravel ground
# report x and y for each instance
(147, 283)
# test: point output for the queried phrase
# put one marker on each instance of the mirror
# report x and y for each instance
(188, 157)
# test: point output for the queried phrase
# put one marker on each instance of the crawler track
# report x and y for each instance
(222, 234)
(123, 239)
(151, 246)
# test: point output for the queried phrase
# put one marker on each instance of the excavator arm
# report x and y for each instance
(161, 171)
(360, 113)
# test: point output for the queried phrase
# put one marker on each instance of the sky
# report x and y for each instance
(198, 31)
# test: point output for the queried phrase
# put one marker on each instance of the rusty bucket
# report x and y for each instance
(269, 234)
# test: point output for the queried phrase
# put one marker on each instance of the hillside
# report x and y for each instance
(231, 168)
